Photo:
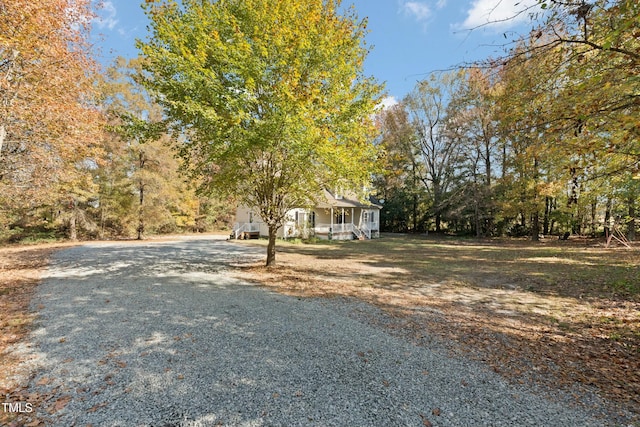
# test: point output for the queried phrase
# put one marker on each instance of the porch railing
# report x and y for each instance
(246, 227)
(335, 228)
(340, 229)
(366, 230)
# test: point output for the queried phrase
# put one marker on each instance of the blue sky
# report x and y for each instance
(410, 38)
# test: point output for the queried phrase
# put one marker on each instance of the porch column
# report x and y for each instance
(331, 229)
(352, 214)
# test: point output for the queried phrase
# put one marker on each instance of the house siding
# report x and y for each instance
(336, 218)
(318, 222)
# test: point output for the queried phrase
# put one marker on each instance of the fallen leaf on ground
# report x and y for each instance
(96, 407)
(44, 381)
(425, 421)
(60, 404)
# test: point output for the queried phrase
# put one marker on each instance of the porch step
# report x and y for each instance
(361, 235)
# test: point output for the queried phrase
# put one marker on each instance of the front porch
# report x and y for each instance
(345, 232)
(347, 223)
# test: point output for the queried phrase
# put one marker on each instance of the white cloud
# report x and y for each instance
(497, 13)
(420, 11)
(107, 16)
(388, 101)
(441, 4)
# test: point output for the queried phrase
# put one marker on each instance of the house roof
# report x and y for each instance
(349, 200)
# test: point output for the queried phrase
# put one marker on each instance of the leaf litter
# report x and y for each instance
(559, 323)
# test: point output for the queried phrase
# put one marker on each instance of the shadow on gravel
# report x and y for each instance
(159, 335)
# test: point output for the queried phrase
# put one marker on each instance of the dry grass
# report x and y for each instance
(561, 313)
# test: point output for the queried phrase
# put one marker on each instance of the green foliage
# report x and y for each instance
(141, 190)
(400, 182)
(546, 138)
(269, 95)
(438, 152)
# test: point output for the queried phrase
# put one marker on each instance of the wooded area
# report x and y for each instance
(545, 140)
(83, 153)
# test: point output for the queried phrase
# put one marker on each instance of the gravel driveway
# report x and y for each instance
(159, 334)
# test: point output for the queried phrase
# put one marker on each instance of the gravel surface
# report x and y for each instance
(159, 334)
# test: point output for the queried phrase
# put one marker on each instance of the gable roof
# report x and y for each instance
(328, 200)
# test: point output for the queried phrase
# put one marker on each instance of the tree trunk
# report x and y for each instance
(548, 203)
(554, 206)
(631, 224)
(415, 197)
(271, 247)
(593, 218)
(102, 221)
(141, 213)
(476, 214)
(142, 159)
(73, 229)
(3, 134)
(504, 160)
(140, 229)
(535, 227)
(607, 217)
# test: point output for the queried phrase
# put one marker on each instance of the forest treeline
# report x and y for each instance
(544, 140)
(83, 150)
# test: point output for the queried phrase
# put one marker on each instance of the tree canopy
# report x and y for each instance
(547, 136)
(48, 119)
(267, 104)
(270, 97)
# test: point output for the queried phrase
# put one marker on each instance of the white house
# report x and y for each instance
(335, 217)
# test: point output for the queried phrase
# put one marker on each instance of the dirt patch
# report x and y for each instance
(561, 316)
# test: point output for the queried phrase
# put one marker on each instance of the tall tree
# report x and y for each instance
(139, 178)
(47, 122)
(472, 121)
(602, 61)
(529, 86)
(270, 95)
(399, 182)
(583, 97)
(427, 106)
